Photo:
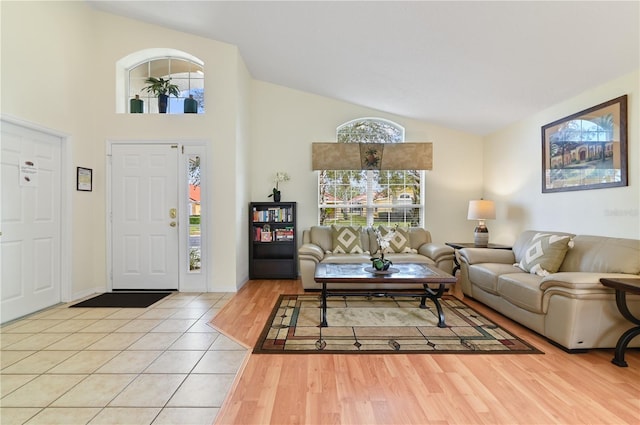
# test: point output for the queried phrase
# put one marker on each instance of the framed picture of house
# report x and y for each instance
(84, 179)
(587, 150)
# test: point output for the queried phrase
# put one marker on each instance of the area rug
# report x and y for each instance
(123, 299)
(386, 325)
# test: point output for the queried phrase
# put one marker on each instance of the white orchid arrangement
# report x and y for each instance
(281, 176)
(385, 241)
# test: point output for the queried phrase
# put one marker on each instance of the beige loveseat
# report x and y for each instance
(568, 306)
(318, 246)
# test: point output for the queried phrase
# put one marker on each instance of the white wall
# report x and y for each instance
(513, 176)
(43, 45)
(285, 122)
(243, 175)
(58, 71)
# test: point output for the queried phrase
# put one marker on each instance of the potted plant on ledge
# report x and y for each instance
(162, 89)
(281, 176)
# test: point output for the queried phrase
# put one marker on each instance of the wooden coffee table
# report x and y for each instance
(357, 274)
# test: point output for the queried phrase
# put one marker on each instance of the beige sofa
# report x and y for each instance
(568, 306)
(317, 246)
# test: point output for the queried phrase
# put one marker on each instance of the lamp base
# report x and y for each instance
(481, 236)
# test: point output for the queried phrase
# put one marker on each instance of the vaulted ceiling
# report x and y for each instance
(474, 66)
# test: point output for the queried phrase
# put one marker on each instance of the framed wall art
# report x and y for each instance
(586, 150)
(84, 179)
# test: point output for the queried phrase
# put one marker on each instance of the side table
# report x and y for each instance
(459, 245)
(622, 287)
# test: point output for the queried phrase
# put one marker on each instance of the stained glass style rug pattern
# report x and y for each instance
(386, 325)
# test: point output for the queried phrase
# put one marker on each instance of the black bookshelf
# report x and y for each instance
(272, 240)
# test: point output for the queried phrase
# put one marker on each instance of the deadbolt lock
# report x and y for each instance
(172, 224)
(173, 213)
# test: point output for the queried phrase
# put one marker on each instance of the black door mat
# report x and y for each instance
(123, 299)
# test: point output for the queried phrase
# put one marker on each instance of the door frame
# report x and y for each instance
(184, 283)
(66, 210)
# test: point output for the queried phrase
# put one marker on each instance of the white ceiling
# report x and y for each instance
(474, 66)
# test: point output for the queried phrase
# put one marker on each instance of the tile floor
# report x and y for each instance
(159, 365)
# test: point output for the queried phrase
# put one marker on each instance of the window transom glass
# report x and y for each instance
(188, 75)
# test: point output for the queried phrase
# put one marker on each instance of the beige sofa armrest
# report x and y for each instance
(441, 255)
(486, 255)
(311, 251)
(436, 252)
(309, 255)
(580, 280)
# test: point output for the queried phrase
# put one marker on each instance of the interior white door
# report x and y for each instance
(31, 221)
(144, 214)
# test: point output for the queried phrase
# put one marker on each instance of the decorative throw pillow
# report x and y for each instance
(399, 241)
(545, 254)
(346, 240)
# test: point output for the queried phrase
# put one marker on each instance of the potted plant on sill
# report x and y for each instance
(162, 89)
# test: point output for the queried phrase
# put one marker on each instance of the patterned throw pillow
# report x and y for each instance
(545, 254)
(346, 240)
(399, 242)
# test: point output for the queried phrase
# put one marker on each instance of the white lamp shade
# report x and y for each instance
(481, 210)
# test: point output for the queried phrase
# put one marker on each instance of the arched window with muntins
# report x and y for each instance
(180, 68)
(368, 197)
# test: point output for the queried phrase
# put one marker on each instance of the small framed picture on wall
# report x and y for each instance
(84, 179)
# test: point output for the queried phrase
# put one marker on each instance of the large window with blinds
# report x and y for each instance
(368, 197)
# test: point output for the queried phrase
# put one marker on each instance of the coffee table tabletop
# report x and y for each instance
(358, 273)
(631, 285)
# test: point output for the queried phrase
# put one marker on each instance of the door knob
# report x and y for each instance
(173, 213)
(172, 224)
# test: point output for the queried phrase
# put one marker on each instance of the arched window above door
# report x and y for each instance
(183, 69)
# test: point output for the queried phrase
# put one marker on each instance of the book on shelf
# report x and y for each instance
(285, 234)
(273, 214)
(265, 234)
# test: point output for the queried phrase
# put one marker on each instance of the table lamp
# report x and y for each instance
(481, 210)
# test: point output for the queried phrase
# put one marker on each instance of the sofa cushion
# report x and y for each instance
(485, 275)
(365, 259)
(522, 290)
(600, 254)
(321, 236)
(401, 258)
(418, 237)
(346, 239)
(399, 242)
(544, 254)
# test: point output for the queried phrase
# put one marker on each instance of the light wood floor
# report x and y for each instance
(554, 388)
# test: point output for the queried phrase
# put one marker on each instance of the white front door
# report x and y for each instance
(30, 245)
(144, 214)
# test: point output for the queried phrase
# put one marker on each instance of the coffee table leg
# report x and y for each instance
(323, 321)
(423, 302)
(621, 346)
(435, 298)
(423, 299)
(625, 339)
(441, 323)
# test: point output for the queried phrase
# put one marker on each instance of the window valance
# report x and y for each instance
(371, 156)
